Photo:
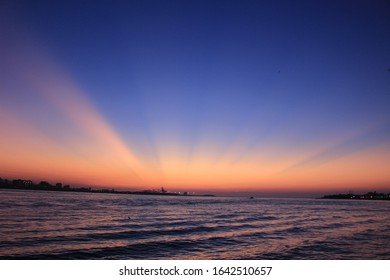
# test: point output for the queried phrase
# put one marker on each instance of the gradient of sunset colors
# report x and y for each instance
(209, 96)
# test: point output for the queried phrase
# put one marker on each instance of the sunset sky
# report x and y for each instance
(268, 96)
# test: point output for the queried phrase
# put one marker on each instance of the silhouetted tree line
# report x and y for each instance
(370, 195)
(43, 185)
(46, 186)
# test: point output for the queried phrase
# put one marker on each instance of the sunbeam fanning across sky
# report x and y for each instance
(58, 127)
(197, 96)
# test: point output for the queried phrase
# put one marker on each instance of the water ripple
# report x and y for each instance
(50, 225)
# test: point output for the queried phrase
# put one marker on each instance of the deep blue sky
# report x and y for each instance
(243, 58)
(225, 74)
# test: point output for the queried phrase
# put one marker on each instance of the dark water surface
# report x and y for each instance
(60, 225)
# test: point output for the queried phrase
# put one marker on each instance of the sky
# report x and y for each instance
(204, 96)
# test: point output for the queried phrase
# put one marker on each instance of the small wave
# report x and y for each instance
(41, 204)
(145, 250)
(290, 231)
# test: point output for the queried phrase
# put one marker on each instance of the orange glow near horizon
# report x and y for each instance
(99, 157)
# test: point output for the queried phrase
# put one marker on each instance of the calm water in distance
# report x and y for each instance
(60, 225)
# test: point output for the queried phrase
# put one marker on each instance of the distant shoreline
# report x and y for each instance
(367, 196)
(20, 184)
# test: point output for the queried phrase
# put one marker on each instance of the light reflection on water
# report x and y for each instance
(59, 225)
